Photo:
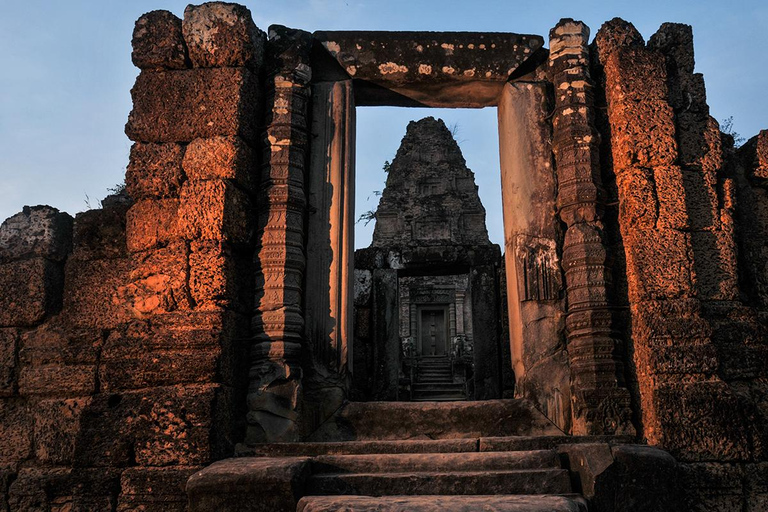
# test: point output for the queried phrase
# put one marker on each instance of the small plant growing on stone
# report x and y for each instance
(727, 128)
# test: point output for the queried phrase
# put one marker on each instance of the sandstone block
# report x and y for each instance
(9, 343)
(219, 277)
(701, 421)
(55, 361)
(700, 141)
(107, 431)
(615, 34)
(180, 106)
(158, 281)
(673, 200)
(135, 358)
(215, 210)
(275, 483)
(155, 489)
(30, 290)
(715, 264)
(642, 133)
(675, 40)
(37, 231)
(186, 425)
(659, 264)
(224, 158)
(638, 204)
(636, 74)
(91, 296)
(57, 488)
(56, 429)
(100, 234)
(713, 486)
(15, 431)
(154, 171)
(220, 34)
(158, 42)
(151, 223)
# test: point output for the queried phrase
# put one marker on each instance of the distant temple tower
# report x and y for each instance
(430, 245)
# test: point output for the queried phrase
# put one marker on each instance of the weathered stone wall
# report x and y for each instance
(126, 367)
(696, 340)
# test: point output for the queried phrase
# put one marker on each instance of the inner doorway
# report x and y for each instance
(433, 332)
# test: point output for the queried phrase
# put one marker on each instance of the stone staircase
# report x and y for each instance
(434, 381)
(497, 455)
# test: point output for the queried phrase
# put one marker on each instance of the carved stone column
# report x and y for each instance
(275, 376)
(600, 400)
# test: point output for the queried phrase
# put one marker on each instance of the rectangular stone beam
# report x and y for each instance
(434, 69)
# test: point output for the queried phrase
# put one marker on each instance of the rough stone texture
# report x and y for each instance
(154, 489)
(183, 105)
(430, 197)
(151, 224)
(221, 158)
(154, 171)
(220, 34)
(158, 43)
(30, 290)
(36, 232)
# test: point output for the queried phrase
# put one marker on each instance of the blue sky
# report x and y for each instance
(66, 74)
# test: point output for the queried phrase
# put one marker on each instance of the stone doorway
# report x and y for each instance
(454, 70)
(433, 331)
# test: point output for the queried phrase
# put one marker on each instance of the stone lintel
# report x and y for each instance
(436, 69)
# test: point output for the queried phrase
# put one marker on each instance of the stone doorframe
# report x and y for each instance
(315, 160)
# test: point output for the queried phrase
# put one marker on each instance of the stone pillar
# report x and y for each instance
(600, 400)
(535, 304)
(330, 229)
(274, 394)
(460, 312)
(485, 329)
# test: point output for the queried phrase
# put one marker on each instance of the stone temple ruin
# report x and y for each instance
(432, 267)
(199, 345)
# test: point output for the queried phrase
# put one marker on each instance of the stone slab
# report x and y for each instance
(442, 503)
(360, 447)
(248, 485)
(398, 463)
(434, 420)
(528, 481)
(438, 69)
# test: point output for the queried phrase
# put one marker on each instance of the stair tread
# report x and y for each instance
(522, 481)
(450, 503)
(437, 462)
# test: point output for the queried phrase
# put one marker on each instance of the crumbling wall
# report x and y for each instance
(125, 368)
(692, 335)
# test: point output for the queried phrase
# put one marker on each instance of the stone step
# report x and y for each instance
(483, 444)
(524, 481)
(446, 398)
(438, 394)
(435, 380)
(497, 503)
(437, 386)
(434, 420)
(359, 447)
(436, 462)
